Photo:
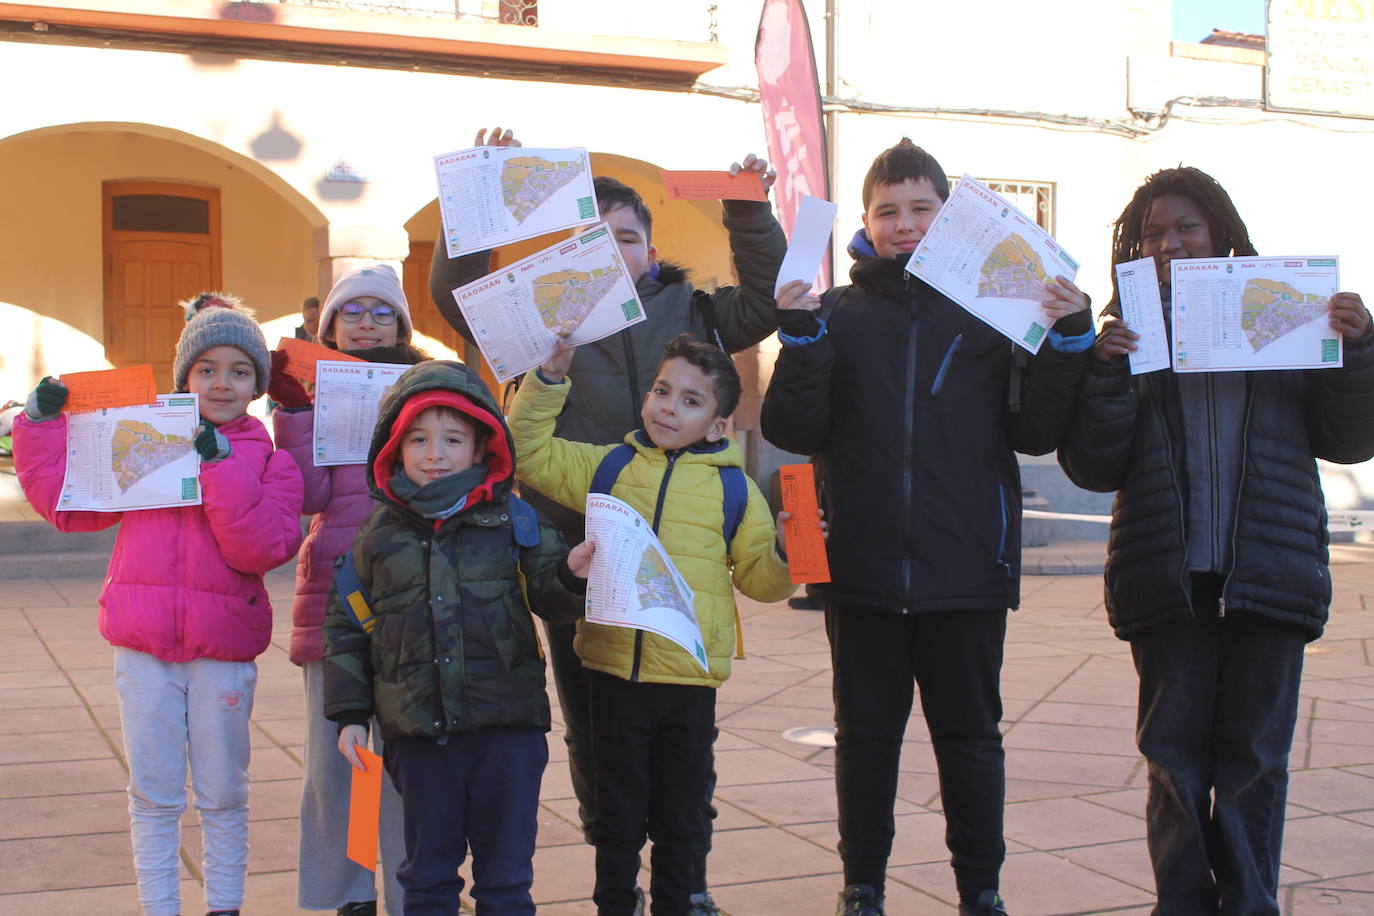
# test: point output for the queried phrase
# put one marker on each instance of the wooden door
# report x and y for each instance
(161, 246)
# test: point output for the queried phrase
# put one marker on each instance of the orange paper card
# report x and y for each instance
(805, 542)
(302, 355)
(364, 808)
(110, 388)
(713, 186)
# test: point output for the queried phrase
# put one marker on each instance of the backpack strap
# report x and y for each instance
(736, 500)
(610, 467)
(524, 526)
(352, 593)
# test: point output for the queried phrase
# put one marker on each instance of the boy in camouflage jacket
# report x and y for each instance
(452, 667)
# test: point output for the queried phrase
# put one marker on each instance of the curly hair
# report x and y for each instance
(1229, 236)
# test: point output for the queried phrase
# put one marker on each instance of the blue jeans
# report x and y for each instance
(1218, 704)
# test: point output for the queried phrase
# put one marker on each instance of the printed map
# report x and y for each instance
(1272, 308)
(655, 586)
(1013, 271)
(566, 297)
(528, 181)
(137, 449)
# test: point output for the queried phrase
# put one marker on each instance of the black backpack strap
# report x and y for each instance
(610, 467)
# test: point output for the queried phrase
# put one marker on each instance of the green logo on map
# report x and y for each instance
(1034, 334)
(1331, 350)
(592, 236)
(179, 402)
(585, 208)
(188, 487)
(630, 308)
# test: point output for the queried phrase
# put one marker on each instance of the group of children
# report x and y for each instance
(912, 410)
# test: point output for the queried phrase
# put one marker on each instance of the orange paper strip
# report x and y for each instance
(110, 388)
(364, 809)
(713, 186)
(302, 355)
(806, 559)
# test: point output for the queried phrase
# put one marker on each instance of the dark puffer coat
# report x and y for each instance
(454, 648)
(1128, 436)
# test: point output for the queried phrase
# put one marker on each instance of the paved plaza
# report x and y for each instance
(1075, 788)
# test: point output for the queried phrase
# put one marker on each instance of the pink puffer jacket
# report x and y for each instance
(184, 583)
(339, 499)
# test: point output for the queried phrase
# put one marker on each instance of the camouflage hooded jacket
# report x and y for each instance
(454, 648)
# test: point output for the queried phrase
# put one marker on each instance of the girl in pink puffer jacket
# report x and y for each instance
(365, 315)
(184, 603)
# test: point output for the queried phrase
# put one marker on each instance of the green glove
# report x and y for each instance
(46, 401)
(211, 444)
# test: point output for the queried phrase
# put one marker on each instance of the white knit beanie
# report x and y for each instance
(218, 319)
(377, 280)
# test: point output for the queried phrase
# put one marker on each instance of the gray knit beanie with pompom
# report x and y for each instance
(219, 319)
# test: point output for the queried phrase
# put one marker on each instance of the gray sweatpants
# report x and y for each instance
(172, 713)
(326, 878)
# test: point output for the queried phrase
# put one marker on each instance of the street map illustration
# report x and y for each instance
(528, 181)
(566, 297)
(1013, 271)
(1272, 308)
(656, 588)
(137, 449)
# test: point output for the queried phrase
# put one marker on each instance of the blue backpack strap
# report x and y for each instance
(523, 521)
(736, 492)
(352, 593)
(610, 467)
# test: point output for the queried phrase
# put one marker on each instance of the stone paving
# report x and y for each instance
(1074, 826)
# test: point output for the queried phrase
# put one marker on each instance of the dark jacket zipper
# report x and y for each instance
(1178, 498)
(1213, 465)
(1240, 489)
(908, 448)
(658, 516)
(427, 548)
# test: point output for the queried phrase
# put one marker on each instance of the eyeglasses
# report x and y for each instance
(353, 312)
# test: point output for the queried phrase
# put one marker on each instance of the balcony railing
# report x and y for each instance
(509, 12)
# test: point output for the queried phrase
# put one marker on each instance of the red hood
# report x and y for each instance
(500, 465)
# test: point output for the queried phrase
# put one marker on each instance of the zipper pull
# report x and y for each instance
(1221, 607)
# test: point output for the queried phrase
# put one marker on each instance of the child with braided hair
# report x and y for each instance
(1217, 562)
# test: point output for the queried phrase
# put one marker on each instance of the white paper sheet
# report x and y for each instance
(121, 459)
(993, 260)
(578, 289)
(633, 582)
(810, 235)
(491, 196)
(347, 395)
(1240, 314)
(1138, 283)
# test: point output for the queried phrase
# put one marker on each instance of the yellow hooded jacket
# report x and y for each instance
(690, 529)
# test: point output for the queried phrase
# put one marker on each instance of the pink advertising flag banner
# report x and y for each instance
(790, 96)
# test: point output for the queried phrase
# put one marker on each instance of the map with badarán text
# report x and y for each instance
(528, 181)
(137, 449)
(655, 586)
(1272, 308)
(566, 297)
(1013, 271)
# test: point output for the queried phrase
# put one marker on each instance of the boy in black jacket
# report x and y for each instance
(912, 410)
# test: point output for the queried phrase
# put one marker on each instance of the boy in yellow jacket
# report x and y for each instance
(653, 709)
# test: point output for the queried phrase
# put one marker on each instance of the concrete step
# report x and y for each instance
(67, 564)
(42, 538)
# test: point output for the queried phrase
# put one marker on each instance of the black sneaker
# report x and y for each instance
(860, 900)
(703, 905)
(361, 908)
(990, 903)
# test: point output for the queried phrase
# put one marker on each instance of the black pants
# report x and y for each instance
(570, 682)
(477, 790)
(1218, 704)
(652, 748)
(955, 657)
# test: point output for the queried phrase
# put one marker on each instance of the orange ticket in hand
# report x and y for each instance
(302, 355)
(713, 186)
(806, 559)
(364, 809)
(109, 388)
